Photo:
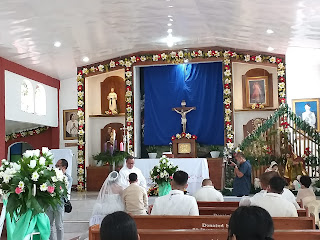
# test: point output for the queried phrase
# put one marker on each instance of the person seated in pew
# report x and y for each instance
(207, 193)
(264, 182)
(176, 202)
(135, 197)
(305, 193)
(273, 202)
(250, 223)
(118, 226)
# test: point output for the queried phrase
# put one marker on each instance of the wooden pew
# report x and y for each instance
(226, 204)
(214, 222)
(218, 204)
(230, 210)
(147, 234)
(160, 234)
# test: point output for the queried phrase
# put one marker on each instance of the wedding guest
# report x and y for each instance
(176, 202)
(118, 226)
(273, 201)
(135, 197)
(250, 223)
(207, 193)
(56, 215)
(305, 193)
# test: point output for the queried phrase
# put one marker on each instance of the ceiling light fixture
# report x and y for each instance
(171, 20)
(169, 16)
(170, 6)
(270, 31)
(85, 59)
(169, 24)
(270, 49)
(57, 44)
(169, 30)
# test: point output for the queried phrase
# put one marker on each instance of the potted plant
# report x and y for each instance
(114, 160)
(152, 151)
(316, 185)
(214, 151)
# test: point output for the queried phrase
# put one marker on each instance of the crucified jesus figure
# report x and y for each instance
(183, 110)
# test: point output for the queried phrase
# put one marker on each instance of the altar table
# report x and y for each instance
(197, 169)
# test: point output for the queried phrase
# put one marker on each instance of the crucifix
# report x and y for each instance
(183, 110)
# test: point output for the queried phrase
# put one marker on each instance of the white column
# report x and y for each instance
(137, 112)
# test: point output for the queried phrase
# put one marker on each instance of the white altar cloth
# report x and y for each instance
(197, 169)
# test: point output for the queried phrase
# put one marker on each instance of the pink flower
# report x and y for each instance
(171, 177)
(18, 190)
(50, 189)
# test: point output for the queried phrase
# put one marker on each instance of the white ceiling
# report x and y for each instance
(103, 29)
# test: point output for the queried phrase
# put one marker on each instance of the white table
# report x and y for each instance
(197, 169)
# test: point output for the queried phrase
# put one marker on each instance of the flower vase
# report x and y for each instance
(164, 188)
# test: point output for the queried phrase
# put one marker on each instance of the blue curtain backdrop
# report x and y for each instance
(200, 85)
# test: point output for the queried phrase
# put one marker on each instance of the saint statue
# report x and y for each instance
(112, 97)
(294, 167)
(183, 110)
(309, 116)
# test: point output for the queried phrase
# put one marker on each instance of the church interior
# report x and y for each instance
(196, 81)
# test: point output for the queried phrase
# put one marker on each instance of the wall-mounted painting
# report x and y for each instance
(70, 124)
(257, 91)
(308, 110)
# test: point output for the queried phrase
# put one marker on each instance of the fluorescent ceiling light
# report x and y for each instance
(270, 31)
(85, 59)
(57, 44)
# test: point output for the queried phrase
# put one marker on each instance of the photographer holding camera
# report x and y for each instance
(242, 172)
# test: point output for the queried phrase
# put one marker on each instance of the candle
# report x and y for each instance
(121, 146)
(105, 147)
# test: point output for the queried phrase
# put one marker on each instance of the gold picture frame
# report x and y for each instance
(310, 114)
(257, 91)
(70, 124)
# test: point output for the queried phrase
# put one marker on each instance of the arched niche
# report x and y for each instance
(118, 84)
(256, 73)
(105, 135)
(16, 150)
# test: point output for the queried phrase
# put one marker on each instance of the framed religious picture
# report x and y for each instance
(257, 91)
(307, 110)
(70, 124)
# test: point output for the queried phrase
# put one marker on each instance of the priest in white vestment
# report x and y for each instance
(130, 168)
(176, 203)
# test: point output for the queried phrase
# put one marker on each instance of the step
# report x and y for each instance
(79, 227)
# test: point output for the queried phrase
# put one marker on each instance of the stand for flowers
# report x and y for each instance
(164, 188)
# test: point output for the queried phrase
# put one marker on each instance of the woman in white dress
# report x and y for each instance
(109, 199)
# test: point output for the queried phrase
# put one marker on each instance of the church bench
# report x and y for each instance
(230, 210)
(218, 234)
(213, 222)
(226, 204)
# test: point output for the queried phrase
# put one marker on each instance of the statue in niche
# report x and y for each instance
(112, 97)
(111, 141)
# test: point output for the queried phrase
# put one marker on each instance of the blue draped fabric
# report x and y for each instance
(200, 85)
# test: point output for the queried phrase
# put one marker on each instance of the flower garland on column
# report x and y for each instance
(175, 58)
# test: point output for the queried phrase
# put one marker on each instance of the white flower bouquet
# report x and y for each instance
(30, 184)
(164, 171)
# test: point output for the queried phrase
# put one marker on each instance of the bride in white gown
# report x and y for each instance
(109, 199)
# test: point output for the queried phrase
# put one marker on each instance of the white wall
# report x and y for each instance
(13, 84)
(69, 100)
(303, 73)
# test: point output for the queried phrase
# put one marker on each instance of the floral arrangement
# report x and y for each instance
(109, 112)
(153, 191)
(25, 133)
(257, 106)
(184, 135)
(30, 184)
(175, 57)
(163, 172)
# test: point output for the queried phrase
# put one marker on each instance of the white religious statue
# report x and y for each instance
(183, 110)
(72, 125)
(130, 168)
(309, 116)
(112, 97)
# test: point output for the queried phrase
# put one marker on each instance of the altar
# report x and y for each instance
(197, 169)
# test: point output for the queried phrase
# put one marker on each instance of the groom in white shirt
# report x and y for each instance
(130, 168)
(176, 203)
